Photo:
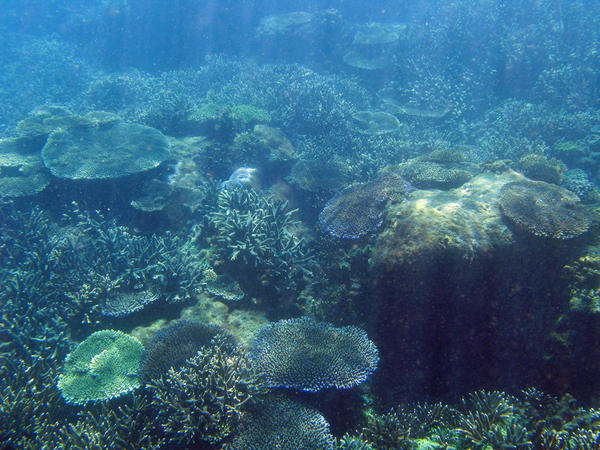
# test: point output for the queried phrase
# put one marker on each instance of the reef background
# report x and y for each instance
(386, 140)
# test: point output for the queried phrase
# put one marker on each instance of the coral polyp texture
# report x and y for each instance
(102, 367)
(280, 423)
(310, 356)
(178, 342)
(544, 210)
(358, 210)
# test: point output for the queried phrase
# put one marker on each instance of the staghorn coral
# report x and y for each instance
(128, 426)
(358, 210)
(104, 366)
(256, 234)
(353, 442)
(204, 400)
(544, 210)
(402, 426)
(277, 422)
(163, 266)
(173, 345)
(310, 356)
(484, 415)
(29, 400)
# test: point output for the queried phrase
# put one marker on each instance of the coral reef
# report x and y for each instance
(102, 367)
(172, 346)
(311, 356)
(126, 271)
(358, 210)
(376, 122)
(544, 210)
(278, 422)
(222, 122)
(206, 398)
(22, 172)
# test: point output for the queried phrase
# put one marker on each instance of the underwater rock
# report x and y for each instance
(225, 287)
(463, 222)
(374, 33)
(376, 122)
(276, 144)
(104, 150)
(102, 367)
(173, 345)
(358, 210)
(22, 173)
(278, 422)
(544, 210)
(222, 121)
(311, 356)
(432, 175)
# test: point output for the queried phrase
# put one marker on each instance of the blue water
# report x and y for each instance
(190, 178)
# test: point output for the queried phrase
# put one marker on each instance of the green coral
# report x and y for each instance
(103, 366)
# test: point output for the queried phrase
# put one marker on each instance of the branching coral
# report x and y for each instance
(205, 399)
(256, 232)
(399, 427)
(151, 266)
